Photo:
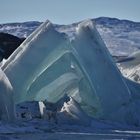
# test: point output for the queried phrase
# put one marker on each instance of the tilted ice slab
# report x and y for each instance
(48, 65)
(33, 57)
(105, 79)
(6, 99)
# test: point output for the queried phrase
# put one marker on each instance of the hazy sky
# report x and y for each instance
(67, 11)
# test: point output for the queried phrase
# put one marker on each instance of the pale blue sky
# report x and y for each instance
(67, 11)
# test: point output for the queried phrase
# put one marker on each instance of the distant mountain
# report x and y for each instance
(21, 30)
(122, 37)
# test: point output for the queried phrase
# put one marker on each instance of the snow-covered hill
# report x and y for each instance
(122, 37)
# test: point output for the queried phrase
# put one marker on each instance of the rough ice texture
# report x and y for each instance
(71, 113)
(130, 67)
(48, 65)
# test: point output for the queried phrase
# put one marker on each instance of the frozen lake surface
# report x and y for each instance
(42, 130)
